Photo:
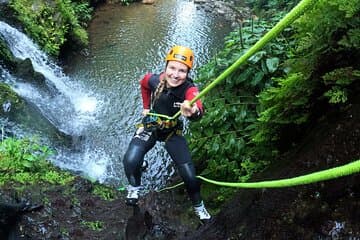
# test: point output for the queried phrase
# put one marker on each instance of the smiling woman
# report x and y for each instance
(162, 94)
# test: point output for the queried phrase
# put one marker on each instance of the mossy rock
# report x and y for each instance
(25, 71)
(52, 23)
(20, 68)
(9, 100)
(6, 57)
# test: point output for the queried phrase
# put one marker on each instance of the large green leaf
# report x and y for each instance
(272, 64)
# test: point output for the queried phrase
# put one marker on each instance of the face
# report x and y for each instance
(175, 73)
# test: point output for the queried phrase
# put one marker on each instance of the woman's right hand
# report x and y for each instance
(145, 112)
(188, 110)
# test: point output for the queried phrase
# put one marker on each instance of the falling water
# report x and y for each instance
(70, 107)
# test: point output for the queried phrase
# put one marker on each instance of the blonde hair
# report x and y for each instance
(159, 89)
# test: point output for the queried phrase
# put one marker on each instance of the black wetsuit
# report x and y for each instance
(175, 143)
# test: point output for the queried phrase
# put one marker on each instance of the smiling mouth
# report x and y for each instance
(174, 79)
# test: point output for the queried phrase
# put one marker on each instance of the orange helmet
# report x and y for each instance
(181, 54)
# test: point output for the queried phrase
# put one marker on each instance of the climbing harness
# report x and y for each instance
(153, 122)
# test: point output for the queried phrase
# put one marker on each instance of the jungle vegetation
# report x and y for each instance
(263, 108)
(52, 23)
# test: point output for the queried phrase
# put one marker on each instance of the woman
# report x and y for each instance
(163, 94)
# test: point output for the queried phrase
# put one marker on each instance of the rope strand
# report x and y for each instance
(332, 173)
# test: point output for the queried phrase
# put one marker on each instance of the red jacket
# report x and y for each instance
(165, 104)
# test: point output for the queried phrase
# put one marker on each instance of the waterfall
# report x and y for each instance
(71, 108)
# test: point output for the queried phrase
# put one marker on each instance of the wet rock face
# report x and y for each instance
(139, 225)
(323, 210)
(74, 212)
(225, 9)
(24, 70)
(10, 102)
(6, 58)
(148, 1)
(10, 215)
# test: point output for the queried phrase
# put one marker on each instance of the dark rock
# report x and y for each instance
(10, 215)
(324, 210)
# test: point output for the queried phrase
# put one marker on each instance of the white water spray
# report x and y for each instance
(71, 108)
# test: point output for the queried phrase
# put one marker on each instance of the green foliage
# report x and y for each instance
(336, 95)
(24, 161)
(287, 103)
(325, 47)
(80, 36)
(218, 195)
(269, 7)
(8, 95)
(266, 104)
(94, 225)
(56, 177)
(338, 80)
(104, 192)
(50, 22)
(83, 12)
(222, 136)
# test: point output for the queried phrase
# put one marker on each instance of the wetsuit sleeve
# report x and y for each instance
(145, 91)
(191, 93)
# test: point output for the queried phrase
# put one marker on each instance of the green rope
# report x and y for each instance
(281, 25)
(344, 170)
(172, 187)
(295, 13)
(160, 115)
(336, 172)
(332, 173)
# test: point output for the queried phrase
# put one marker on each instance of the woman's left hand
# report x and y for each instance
(188, 110)
(145, 112)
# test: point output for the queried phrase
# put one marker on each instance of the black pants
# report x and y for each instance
(178, 150)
